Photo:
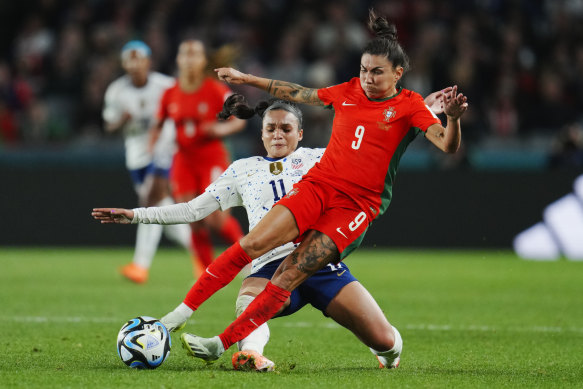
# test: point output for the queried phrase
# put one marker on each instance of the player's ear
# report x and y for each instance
(398, 73)
(300, 134)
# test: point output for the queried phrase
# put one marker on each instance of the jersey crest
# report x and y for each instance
(388, 114)
(276, 167)
(296, 163)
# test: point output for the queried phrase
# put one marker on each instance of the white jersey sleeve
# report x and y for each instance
(192, 211)
(227, 189)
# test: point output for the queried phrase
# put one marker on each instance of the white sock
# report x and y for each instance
(184, 310)
(147, 240)
(256, 340)
(387, 357)
(178, 233)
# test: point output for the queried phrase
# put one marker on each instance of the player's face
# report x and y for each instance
(191, 57)
(135, 64)
(378, 78)
(280, 133)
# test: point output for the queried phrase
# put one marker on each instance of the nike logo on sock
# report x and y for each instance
(207, 270)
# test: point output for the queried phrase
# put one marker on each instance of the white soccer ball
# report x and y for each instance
(143, 343)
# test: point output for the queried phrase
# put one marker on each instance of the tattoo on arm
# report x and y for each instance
(293, 92)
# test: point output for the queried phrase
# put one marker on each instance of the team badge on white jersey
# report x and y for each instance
(276, 168)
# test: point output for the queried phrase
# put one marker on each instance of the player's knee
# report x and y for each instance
(242, 303)
(254, 245)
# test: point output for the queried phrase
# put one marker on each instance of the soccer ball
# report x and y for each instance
(143, 343)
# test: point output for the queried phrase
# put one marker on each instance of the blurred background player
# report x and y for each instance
(193, 104)
(130, 105)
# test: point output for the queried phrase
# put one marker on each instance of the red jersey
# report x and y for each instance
(367, 142)
(190, 111)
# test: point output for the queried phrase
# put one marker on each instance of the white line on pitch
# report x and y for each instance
(300, 324)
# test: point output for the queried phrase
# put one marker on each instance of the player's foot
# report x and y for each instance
(251, 360)
(173, 321)
(393, 365)
(209, 349)
(134, 273)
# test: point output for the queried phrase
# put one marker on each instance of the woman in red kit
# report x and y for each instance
(193, 104)
(331, 208)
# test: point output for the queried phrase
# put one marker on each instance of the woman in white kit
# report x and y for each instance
(257, 183)
(130, 105)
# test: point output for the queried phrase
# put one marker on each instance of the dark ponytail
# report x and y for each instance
(385, 43)
(236, 105)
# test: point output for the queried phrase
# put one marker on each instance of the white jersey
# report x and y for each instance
(142, 104)
(255, 183)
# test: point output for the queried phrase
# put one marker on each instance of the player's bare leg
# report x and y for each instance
(277, 227)
(355, 309)
(316, 251)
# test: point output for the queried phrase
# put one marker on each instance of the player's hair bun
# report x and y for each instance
(236, 105)
(381, 27)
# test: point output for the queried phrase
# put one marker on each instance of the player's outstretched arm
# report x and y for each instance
(281, 89)
(448, 138)
(181, 213)
(113, 215)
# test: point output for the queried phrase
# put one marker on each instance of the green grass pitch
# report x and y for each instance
(468, 319)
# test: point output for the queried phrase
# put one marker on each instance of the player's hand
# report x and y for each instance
(435, 101)
(231, 76)
(455, 104)
(113, 215)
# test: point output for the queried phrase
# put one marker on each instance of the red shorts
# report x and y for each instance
(319, 206)
(191, 177)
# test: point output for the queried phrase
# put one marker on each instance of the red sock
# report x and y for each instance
(263, 308)
(218, 274)
(231, 231)
(201, 242)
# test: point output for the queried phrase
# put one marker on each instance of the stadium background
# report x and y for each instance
(519, 62)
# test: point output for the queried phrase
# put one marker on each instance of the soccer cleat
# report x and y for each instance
(251, 360)
(134, 273)
(393, 365)
(173, 321)
(208, 349)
